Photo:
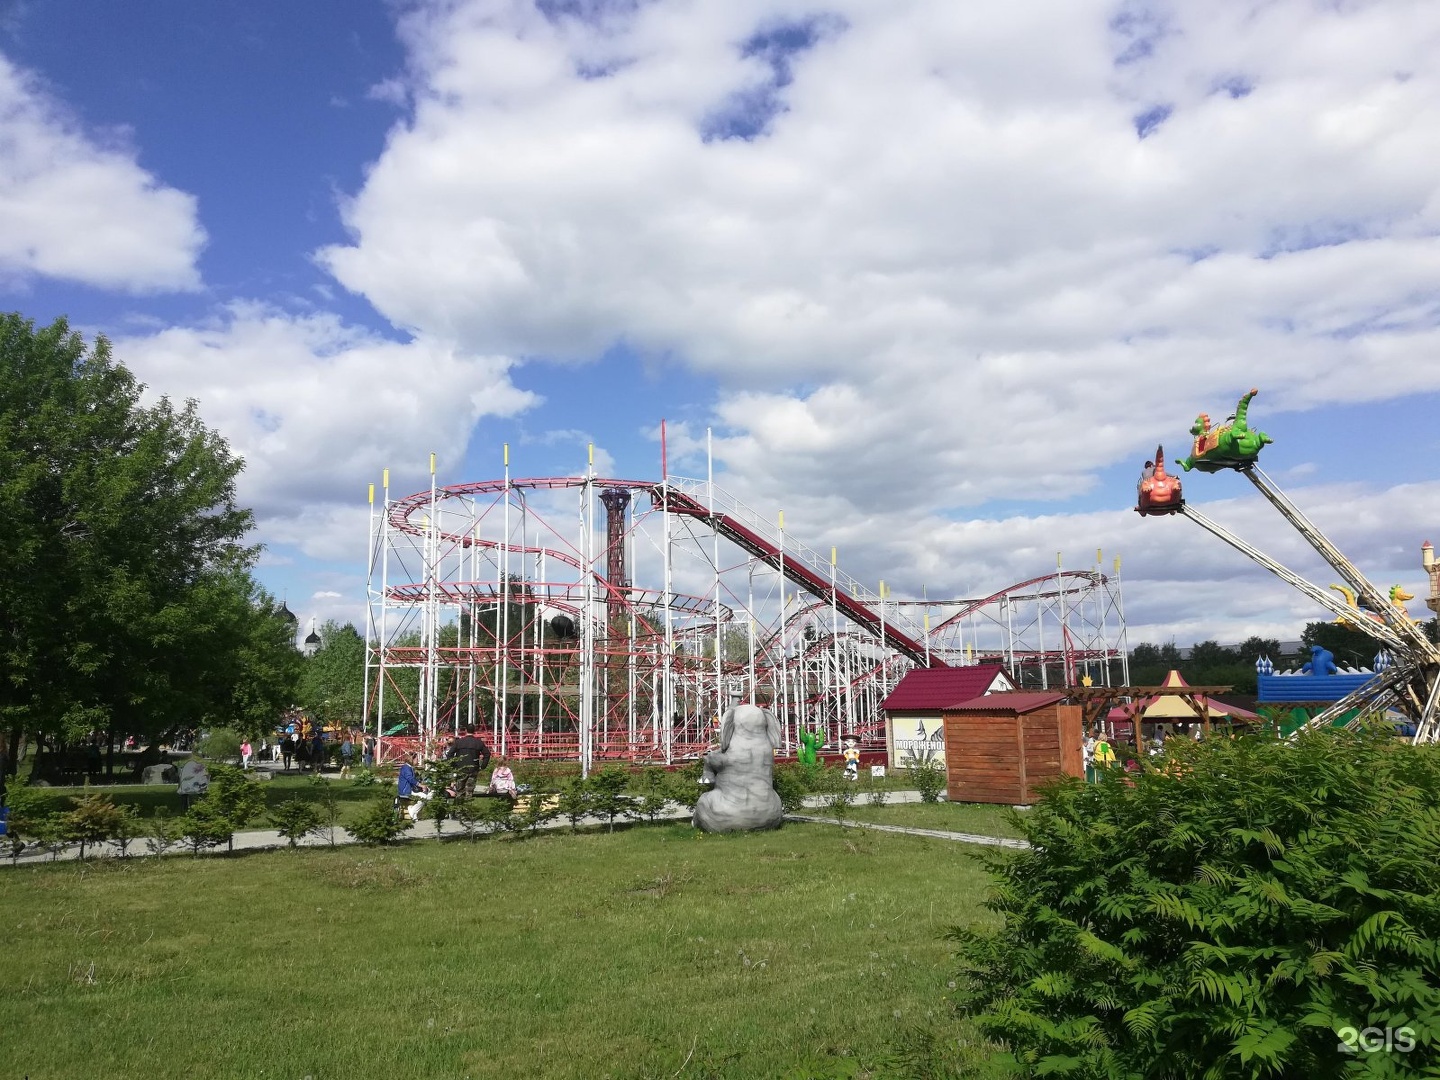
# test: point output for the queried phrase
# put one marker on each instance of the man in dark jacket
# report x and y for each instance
(471, 754)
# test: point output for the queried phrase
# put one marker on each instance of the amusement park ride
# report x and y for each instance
(1411, 683)
(587, 618)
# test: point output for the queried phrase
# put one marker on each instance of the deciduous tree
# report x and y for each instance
(125, 599)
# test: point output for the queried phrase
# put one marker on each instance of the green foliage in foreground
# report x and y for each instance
(649, 952)
(1228, 916)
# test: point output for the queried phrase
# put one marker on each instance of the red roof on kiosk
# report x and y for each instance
(933, 689)
(1012, 704)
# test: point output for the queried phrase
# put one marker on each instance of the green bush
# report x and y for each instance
(481, 816)
(532, 813)
(232, 801)
(609, 796)
(576, 802)
(927, 775)
(162, 832)
(792, 784)
(380, 823)
(683, 784)
(32, 814)
(327, 806)
(652, 793)
(205, 825)
(94, 820)
(837, 794)
(1228, 914)
(128, 828)
(296, 818)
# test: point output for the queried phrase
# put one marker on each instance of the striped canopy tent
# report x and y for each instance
(1178, 706)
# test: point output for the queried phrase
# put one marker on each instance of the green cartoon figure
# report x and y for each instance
(1234, 445)
(809, 744)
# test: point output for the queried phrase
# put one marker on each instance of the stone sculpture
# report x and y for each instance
(743, 770)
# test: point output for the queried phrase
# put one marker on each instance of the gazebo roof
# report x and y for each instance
(1162, 707)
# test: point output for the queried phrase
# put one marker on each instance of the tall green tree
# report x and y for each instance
(125, 598)
(333, 679)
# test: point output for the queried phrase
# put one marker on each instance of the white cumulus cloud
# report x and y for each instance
(318, 409)
(75, 209)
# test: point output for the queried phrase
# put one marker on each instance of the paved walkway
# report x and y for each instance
(265, 839)
(938, 834)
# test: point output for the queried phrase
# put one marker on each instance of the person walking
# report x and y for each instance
(318, 751)
(287, 750)
(245, 754)
(347, 755)
(368, 752)
(471, 755)
(1104, 755)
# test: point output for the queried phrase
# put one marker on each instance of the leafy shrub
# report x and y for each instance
(327, 806)
(94, 820)
(575, 802)
(875, 792)
(1226, 914)
(652, 793)
(296, 818)
(128, 828)
(232, 801)
(380, 823)
(837, 794)
(205, 825)
(792, 784)
(479, 817)
(31, 811)
(684, 785)
(927, 775)
(50, 834)
(609, 796)
(162, 832)
(532, 813)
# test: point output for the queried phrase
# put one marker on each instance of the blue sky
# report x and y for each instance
(939, 279)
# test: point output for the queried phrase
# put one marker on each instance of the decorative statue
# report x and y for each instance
(809, 744)
(1322, 662)
(852, 758)
(744, 771)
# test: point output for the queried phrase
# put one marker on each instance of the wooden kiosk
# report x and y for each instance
(1001, 747)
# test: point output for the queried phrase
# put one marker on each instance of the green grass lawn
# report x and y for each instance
(650, 952)
(981, 818)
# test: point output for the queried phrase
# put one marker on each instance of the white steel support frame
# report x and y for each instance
(464, 553)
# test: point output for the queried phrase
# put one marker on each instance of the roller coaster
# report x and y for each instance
(586, 618)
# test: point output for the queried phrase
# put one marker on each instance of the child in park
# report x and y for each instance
(502, 781)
